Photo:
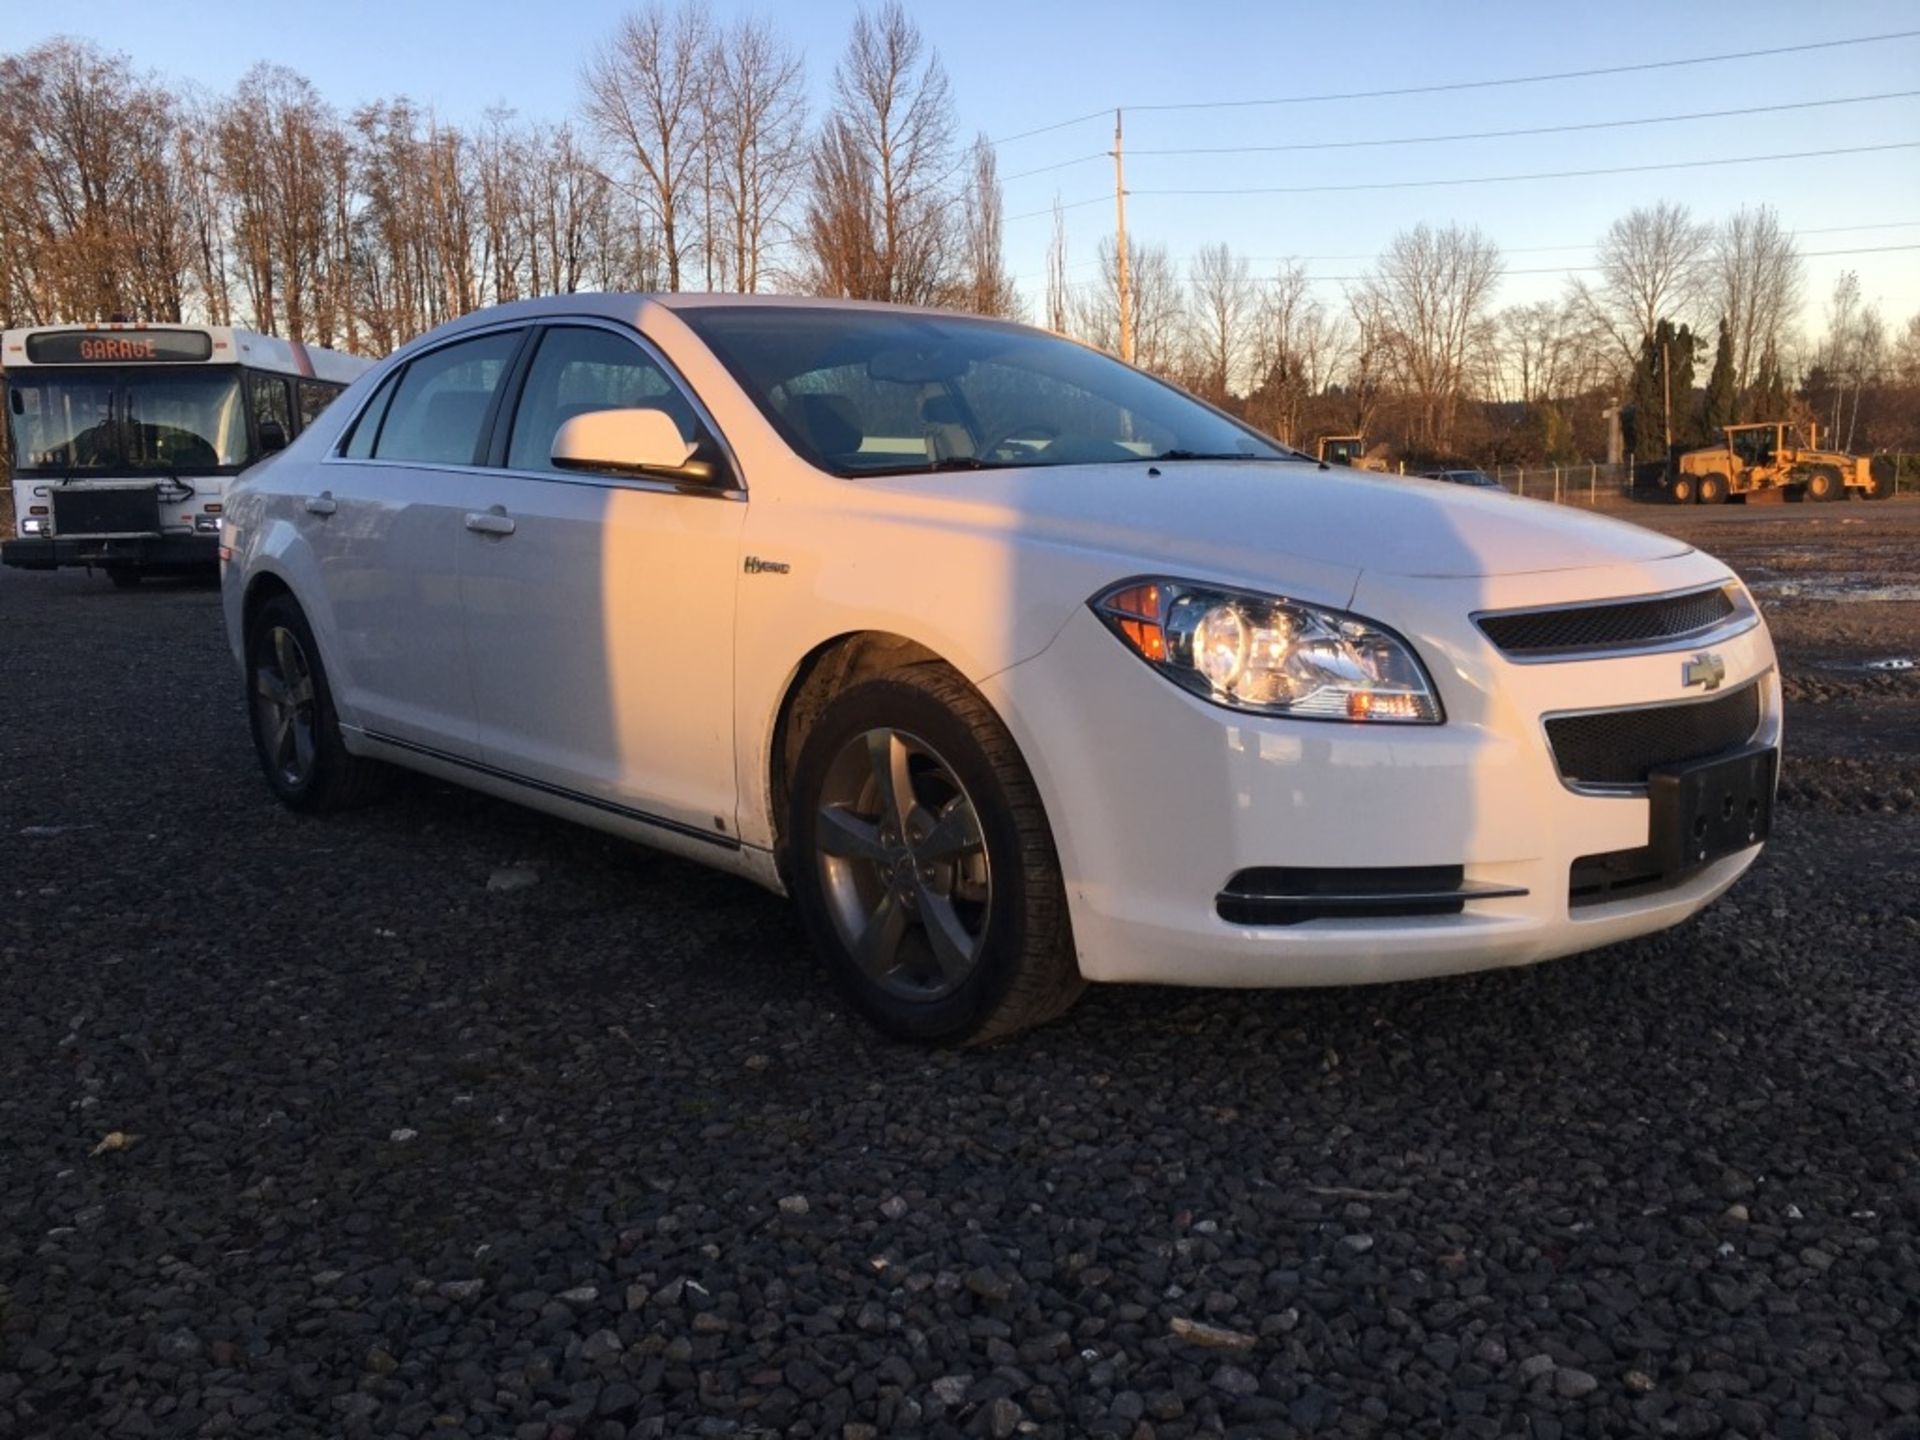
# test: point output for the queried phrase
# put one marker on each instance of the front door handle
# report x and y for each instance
(492, 521)
(321, 504)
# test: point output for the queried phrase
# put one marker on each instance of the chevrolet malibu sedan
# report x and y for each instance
(1016, 667)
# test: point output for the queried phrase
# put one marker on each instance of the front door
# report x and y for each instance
(599, 610)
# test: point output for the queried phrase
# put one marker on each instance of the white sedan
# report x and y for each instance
(1016, 667)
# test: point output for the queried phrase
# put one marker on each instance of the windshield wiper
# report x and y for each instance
(1209, 455)
(955, 462)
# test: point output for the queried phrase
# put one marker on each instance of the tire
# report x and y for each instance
(1713, 488)
(1882, 478)
(1681, 491)
(964, 900)
(1826, 484)
(124, 577)
(304, 760)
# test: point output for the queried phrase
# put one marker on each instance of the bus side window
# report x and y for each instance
(314, 396)
(272, 407)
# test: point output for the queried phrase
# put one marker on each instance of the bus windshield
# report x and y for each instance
(102, 418)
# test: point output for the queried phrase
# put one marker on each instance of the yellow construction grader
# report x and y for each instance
(1346, 450)
(1777, 456)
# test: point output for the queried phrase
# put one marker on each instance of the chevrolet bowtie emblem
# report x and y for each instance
(1706, 670)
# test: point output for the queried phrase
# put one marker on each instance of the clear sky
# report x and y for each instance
(1021, 64)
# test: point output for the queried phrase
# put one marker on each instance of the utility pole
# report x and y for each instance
(1123, 282)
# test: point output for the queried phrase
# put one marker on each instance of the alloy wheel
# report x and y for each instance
(283, 699)
(903, 865)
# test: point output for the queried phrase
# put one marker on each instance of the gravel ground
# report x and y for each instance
(401, 1154)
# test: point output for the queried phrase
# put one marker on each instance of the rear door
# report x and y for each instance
(600, 609)
(387, 531)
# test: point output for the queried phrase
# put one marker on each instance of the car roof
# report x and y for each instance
(632, 308)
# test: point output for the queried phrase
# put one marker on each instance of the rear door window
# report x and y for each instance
(440, 408)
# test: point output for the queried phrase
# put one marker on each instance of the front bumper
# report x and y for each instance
(145, 552)
(1157, 797)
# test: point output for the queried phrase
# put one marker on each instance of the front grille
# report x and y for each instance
(1619, 747)
(1613, 625)
(124, 511)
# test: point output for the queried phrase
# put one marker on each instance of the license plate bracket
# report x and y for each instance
(1705, 810)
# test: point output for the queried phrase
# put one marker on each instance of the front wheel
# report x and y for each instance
(296, 733)
(923, 863)
(1826, 483)
(1713, 488)
(1682, 490)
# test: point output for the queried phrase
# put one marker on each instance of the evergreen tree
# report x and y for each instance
(1721, 406)
(1660, 404)
(1768, 398)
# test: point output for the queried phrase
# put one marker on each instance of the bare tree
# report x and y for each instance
(757, 143)
(987, 289)
(1548, 351)
(91, 216)
(1430, 292)
(644, 90)
(1296, 347)
(1059, 298)
(1220, 287)
(278, 147)
(1159, 306)
(1758, 278)
(889, 142)
(1652, 264)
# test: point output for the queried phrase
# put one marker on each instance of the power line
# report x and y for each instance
(1459, 85)
(1540, 174)
(1505, 134)
(1548, 269)
(1059, 165)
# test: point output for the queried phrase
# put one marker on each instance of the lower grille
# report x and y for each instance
(1619, 747)
(1616, 875)
(127, 511)
(1291, 895)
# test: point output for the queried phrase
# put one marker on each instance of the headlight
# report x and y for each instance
(1273, 656)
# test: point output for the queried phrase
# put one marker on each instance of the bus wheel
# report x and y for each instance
(124, 577)
(1713, 488)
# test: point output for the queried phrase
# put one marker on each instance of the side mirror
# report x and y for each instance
(273, 436)
(638, 441)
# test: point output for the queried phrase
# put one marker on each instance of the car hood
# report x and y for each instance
(1237, 517)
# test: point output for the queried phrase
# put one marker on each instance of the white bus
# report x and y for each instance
(126, 436)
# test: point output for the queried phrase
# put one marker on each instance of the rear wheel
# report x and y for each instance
(923, 863)
(1882, 480)
(1713, 488)
(296, 733)
(1683, 490)
(1826, 483)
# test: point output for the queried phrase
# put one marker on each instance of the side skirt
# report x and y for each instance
(720, 852)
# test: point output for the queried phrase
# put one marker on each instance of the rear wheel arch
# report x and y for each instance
(262, 588)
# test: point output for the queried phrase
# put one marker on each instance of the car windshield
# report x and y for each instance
(877, 392)
(98, 418)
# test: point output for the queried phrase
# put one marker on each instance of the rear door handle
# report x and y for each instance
(321, 504)
(491, 521)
